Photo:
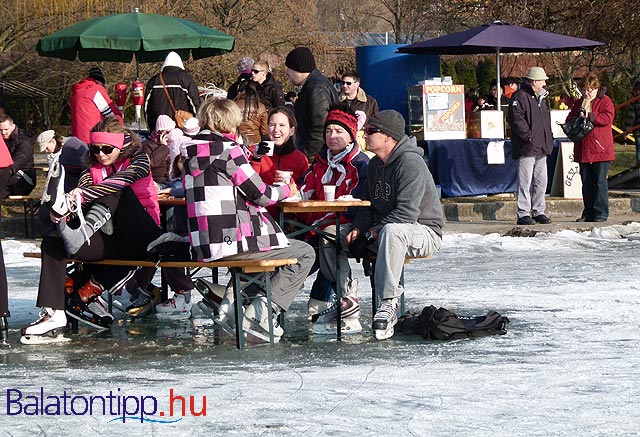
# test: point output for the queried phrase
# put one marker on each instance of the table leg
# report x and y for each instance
(339, 290)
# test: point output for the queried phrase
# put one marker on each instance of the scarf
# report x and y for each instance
(285, 149)
(334, 162)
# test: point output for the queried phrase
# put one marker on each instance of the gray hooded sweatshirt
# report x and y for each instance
(400, 191)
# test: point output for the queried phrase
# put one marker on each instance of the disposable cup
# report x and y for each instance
(271, 146)
(285, 175)
(329, 192)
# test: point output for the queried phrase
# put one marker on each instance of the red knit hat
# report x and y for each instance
(344, 119)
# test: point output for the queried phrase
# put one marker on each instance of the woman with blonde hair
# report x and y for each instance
(226, 202)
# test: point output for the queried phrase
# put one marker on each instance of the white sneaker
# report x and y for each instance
(176, 308)
(256, 320)
(49, 320)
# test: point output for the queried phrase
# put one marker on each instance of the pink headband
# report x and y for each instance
(113, 139)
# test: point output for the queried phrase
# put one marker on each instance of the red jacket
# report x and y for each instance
(5, 156)
(597, 145)
(90, 103)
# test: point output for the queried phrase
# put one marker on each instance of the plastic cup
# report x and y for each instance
(271, 146)
(285, 175)
(329, 192)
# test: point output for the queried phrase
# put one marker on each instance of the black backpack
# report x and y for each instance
(441, 324)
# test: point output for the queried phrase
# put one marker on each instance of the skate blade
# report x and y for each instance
(259, 335)
(44, 339)
(173, 316)
(216, 319)
(349, 327)
(87, 322)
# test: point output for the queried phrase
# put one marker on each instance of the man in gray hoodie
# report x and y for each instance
(405, 217)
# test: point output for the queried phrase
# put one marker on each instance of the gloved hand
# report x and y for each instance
(262, 148)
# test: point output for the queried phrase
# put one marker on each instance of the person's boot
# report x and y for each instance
(94, 219)
(4, 332)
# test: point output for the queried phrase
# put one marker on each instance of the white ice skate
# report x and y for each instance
(49, 328)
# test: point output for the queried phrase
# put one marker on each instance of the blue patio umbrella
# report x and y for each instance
(499, 37)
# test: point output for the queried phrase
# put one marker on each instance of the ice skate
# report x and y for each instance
(93, 314)
(327, 321)
(226, 317)
(49, 328)
(385, 319)
(176, 308)
(315, 307)
(4, 333)
(53, 196)
(211, 293)
(146, 302)
(256, 321)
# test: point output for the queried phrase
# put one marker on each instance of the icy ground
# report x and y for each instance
(568, 365)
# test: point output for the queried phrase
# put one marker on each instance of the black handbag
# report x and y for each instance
(577, 128)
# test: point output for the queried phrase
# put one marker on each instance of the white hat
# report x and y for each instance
(536, 73)
(191, 126)
(173, 60)
(165, 123)
(44, 138)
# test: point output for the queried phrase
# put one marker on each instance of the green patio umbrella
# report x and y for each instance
(147, 37)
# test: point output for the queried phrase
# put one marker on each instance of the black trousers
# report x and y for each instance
(134, 230)
(5, 173)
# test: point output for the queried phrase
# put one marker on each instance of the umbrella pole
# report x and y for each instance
(499, 103)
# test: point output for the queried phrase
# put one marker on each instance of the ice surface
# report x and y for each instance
(568, 365)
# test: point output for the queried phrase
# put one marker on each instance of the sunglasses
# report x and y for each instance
(256, 71)
(347, 83)
(107, 150)
(372, 130)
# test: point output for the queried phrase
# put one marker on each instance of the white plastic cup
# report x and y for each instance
(285, 175)
(329, 192)
(271, 146)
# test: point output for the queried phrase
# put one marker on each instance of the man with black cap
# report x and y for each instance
(405, 217)
(315, 97)
(90, 104)
(531, 143)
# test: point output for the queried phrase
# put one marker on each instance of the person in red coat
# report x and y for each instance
(90, 104)
(281, 129)
(595, 151)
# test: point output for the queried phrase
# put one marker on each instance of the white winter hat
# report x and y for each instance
(165, 123)
(191, 126)
(173, 60)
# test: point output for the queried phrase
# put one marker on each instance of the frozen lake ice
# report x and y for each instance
(568, 365)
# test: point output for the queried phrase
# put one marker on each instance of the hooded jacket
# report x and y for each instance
(90, 104)
(311, 109)
(181, 87)
(226, 200)
(597, 145)
(400, 191)
(271, 92)
(530, 123)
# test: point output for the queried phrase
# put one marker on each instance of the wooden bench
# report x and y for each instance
(31, 206)
(244, 274)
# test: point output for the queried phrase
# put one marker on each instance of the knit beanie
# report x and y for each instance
(96, 74)
(191, 126)
(301, 60)
(390, 122)
(245, 65)
(165, 123)
(344, 119)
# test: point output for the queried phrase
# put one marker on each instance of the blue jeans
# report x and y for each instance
(595, 191)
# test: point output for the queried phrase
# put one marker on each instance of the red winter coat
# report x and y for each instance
(597, 145)
(90, 103)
